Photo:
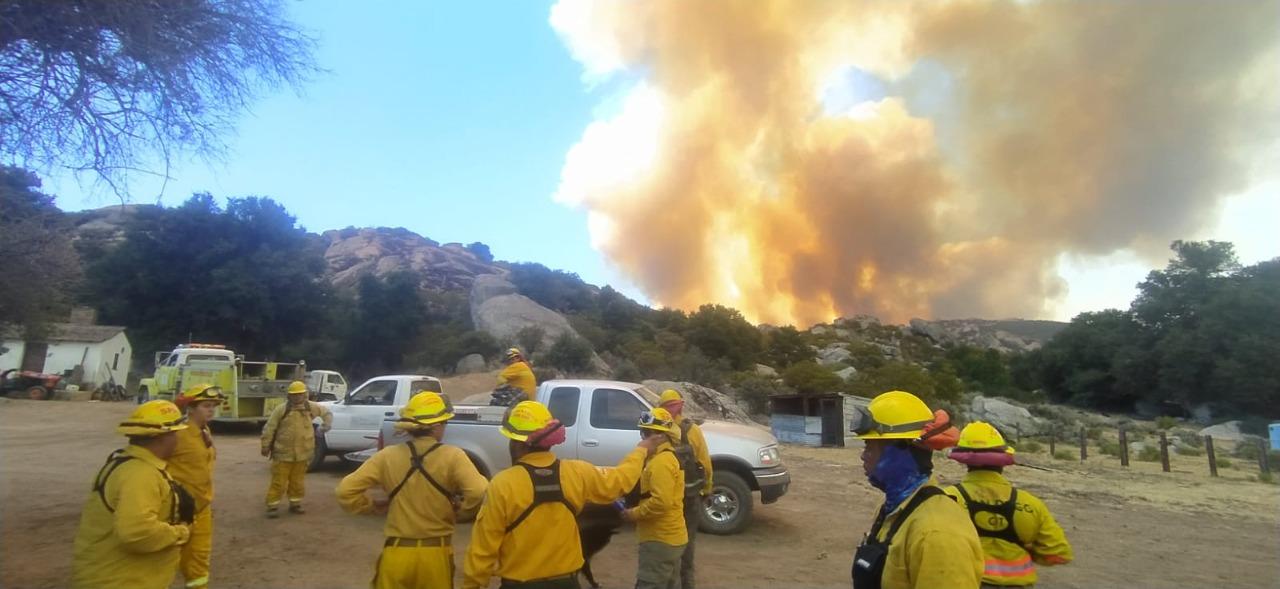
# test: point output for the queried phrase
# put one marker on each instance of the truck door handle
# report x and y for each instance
(590, 443)
(390, 414)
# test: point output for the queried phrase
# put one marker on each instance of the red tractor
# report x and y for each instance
(33, 385)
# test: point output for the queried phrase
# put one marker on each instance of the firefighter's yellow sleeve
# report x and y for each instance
(519, 375)
(660, 515)
(326, 416)
(489, 531)
(702, 453)
(606, 485)
(273, 422)
(468, 482)
(192, 465)
(139, 525)
(1050, 546)
(351, 491)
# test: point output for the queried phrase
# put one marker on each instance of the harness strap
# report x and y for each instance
(924, 493)
(114, 461)
(182, 503)
(418, 465)
(1006, 510)
(546, 489)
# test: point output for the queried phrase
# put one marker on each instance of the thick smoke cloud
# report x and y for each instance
(1006, 135)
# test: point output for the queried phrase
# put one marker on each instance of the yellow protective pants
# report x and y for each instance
(408, 567)
(287, 478)
(195, 553)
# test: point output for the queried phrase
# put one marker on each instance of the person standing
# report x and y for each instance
(192, 466)
(659, 517)
(427, 484)
(136, 517)
(695, 459)
(1015, 527)
(920, 539)
(527, 531)
(289, 440)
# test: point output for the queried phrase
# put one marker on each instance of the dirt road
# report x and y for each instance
(1130, 529)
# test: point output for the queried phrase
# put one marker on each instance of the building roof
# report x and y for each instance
(68, 332)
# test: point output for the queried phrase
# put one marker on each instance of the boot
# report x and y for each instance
(296, 508)
(273, 512)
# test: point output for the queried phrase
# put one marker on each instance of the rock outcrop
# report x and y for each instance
(451, 267)
(702, 402)
(1007, 417)
(499, 311)
(1013, 335)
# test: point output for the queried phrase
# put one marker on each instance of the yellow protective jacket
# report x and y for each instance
(419, 510)
(296, 441)
(660, 514)
(700, 452)
(545, 544)
(935, 547)
(192, 464)
(520, 376)
(134, 547)
(1043, 540)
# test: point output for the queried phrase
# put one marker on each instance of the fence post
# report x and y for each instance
(1264, 465)
(1124, 448)
(1164, 451)
(1213, 459)
(1084, 445)
(1053, 440)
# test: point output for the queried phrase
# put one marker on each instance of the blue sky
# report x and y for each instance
(449, 119)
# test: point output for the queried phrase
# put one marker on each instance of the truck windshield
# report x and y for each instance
(649, 396)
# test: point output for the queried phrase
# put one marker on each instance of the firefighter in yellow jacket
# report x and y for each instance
(427, 484)
(290, 441)
(530, 539)
(920, 538)
(518, 374)
(659, 517)
(1016, 529)
(192, 466)
(136, 517)
(697, 484)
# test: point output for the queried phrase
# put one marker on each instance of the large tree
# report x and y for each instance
(40, 267)
(110, 86)
(246, 276)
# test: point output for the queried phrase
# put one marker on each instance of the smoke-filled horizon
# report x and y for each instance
(985, 140)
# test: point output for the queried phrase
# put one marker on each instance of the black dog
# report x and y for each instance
(596, 526)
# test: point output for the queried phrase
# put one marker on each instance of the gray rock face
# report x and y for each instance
(499, 312)
(470, 364)
(1225, 431)
(702, 402)
(834, 355)
(1007, 417)
(766, 371)
(847, 373)
(352, 252)
(1013, 335)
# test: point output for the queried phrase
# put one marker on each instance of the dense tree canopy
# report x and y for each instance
(40, 267)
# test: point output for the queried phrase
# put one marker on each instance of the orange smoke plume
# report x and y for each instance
(1000, 136)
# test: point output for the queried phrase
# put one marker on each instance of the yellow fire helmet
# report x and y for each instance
(513, 354)
(659, 420)
(297, 387)
(203, 392)
(895, 415)
(668, 396)
(981, 436)
(152, 419)
(424, 410)
(524, 419)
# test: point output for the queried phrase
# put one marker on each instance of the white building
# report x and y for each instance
(102, 350)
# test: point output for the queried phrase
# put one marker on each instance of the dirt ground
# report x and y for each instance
(1130, 528)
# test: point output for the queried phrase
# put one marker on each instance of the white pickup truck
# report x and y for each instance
(358, 416)
(600, 420)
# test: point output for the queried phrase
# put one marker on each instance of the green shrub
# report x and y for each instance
(1190, 438)
(1266, 477)
(570, 354)
(1225, 463)
(1188, 451)
(755, 390)
(1031, 447)
(1165, 422)
(1149, 454)
(1109, 448)
(1273, 459)
(1064, 454)
(1134, 436)
(1093, 433)
(1247, 449)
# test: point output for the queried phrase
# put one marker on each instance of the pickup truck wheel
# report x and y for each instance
(37, 393)
(322, 450)
(727, 510)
